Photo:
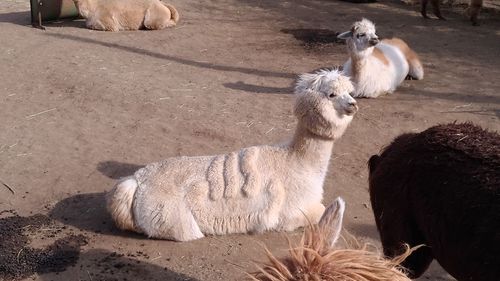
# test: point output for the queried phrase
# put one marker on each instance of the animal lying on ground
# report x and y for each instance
(259, 188)
(118, 15)
(376, 67)
(441, 188)
(317, 258)
(472, 11)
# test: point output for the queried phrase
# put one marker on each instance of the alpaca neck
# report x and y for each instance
(312, 149)
(358, 61)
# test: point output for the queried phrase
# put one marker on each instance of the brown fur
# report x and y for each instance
(411, 56)
(117, 15)
(441, 188)
(314, 260)
(472, 11)
(379, 55)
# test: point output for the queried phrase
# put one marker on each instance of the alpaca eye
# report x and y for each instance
(332, 95)
(360, 35)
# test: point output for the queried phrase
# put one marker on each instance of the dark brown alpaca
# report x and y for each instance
(441, 188)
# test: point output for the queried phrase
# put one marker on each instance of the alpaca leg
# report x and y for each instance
(188, 228)
(423, 8)
(436, 10)
(475, 7)
(416, 70)
(158, 17)
(178, 225)
(103, 24)
(300, 218)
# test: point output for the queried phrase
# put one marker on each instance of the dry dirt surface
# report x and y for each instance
(81, 108)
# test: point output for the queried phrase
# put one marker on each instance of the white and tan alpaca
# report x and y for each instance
(375, 67)
(317, 257)
(260, 188)
(118, 15)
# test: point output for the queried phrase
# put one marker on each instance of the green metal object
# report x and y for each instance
(50, 10)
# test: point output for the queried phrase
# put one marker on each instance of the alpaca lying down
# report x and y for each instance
(117, 15)
(317, 258)
(441, 188)
(378, 67)
(269, 187)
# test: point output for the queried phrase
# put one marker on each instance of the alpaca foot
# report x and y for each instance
(424, 14)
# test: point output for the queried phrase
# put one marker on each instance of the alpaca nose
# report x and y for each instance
(374, 41)
(352, 107)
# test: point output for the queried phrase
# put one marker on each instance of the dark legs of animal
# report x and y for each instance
(475, 7)
(435, 9)
(423, 9)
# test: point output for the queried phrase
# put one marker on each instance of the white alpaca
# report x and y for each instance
(260, 188)
(376, 67)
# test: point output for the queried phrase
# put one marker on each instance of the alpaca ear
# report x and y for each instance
(345, 35)
(331, 221)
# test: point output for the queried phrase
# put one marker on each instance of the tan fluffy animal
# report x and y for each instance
(117, 15)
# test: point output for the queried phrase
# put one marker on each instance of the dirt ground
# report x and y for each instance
(80, 109)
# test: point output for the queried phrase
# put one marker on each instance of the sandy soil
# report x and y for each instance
(81, 108)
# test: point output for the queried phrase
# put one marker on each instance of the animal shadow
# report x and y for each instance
(117, 170)
(100, 264)
(88, 212)
(314, 37)
(364, 230)
(20, 18)
(359, 1)
(242, 86)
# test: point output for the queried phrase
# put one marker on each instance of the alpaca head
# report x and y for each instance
(316, 259)
(361, 38)
(324, 105)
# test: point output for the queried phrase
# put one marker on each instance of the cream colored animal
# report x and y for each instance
(259, 188)
(117, 15)
(375, 67)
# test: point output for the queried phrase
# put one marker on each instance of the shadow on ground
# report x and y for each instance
(21, 18)
(117, 170)
(310, 36)
(245, 87)
(173, 58)
(100, 264)
(88, 212)
(364, 230)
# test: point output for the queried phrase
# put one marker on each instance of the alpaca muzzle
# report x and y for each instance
(351, 108)
(373, 41)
